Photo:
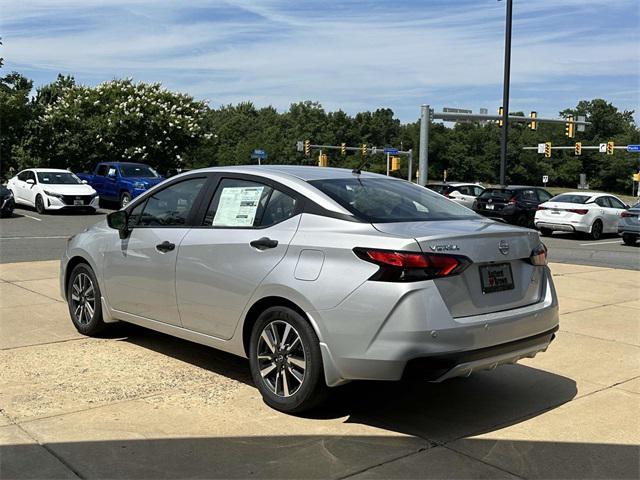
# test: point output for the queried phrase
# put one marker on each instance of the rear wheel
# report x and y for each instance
(596, 230)
(83, 298)
(40, 205)
(546, 232)
(629, 239)
(285, 359)
(523, 221)
(125, 198)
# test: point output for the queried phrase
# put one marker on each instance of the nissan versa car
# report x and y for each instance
(319, 276)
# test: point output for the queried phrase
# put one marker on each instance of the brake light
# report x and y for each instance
(396, 266)
(628, 215)
(539, 255)
(540, 207)
(512, 200)
(579, 211)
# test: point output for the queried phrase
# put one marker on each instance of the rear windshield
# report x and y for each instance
(380, 200)
(568, 198)
(138, 171)
(498, 193)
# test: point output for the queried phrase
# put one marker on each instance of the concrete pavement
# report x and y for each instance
(137, 404)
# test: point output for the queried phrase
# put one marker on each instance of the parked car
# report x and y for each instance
(6, 202)
(629, 225)
(585, 212)
(121, 181)
(52, 189)
(514, 204)
(319, 276)
(463, 193)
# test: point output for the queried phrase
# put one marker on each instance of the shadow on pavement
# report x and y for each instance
(318, 457)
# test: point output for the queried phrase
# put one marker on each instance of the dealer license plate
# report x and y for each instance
(496, 277)
(490, 206)
(78, 202)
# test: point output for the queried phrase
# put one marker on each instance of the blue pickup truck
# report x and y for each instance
(121, 181)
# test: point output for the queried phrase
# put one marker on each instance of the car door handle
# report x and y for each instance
(264, 243)
(165, 246)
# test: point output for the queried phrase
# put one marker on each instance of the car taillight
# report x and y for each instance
(398, 266)
(512, 200)
(539, 255)
(540, 207)
(628, 214)
(579, 211)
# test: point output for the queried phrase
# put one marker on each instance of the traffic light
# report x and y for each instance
(395, 164)
(500, 112)
(569, 127)
(307, 147)
(578, 150)
(547, 149)
(343, 149)
(323, 161)
(533, 124)
(610, 148)
(363, 149)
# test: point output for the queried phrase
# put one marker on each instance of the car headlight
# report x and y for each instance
(139, 186)
(52, 194)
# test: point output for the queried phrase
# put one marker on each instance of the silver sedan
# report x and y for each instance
(318, 276)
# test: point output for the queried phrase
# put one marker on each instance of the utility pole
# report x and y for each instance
(423, 160)
(505, 95)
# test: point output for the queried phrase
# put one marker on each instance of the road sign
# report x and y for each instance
(602, 148)
(541, 147)
(633, 148)
(392, 151)
(545, 179)
(300, 146)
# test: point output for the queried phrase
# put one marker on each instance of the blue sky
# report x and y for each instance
(357, 55)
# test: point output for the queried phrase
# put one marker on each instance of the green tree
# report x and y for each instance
(15, 113)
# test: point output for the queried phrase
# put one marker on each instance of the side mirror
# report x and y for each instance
(119, 220)
(84, 182)
(31, 181)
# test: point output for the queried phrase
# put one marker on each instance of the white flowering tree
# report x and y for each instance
(118, 121)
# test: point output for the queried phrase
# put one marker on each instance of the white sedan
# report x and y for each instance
(52, 189)
(585, 212)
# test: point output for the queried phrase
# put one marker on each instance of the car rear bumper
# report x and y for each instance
(562, 227)
(362, 342)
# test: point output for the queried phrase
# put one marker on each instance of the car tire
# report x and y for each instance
(84, 301)
(629, 239)
(295, 381)
(125, 198)
(40, 208)
(546, 232)
(523, 221)
(596, 230)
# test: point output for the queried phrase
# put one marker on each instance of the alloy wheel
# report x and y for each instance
(83, 299)
(281, 358)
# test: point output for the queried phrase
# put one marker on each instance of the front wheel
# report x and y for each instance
(40, 205)
(125, 198)
(629, 239)
(596, 230)
(83, 298)
(285, 360)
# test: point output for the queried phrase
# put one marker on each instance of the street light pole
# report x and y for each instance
(505, 95)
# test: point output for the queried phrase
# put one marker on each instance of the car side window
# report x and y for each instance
(247, 204)
(615, 203)
(32, 176)
(529, 195)
(112, 172)
(170, 206)
(543, 195)
(102, 170)
(477, 191)
(602, 202)
(464, 190)
(22, 176)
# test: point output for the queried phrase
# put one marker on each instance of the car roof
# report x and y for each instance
(302, 172)
(47, 170)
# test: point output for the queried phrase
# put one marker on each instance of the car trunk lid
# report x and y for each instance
(491, 246)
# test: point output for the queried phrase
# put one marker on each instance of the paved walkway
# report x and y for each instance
(138, 404)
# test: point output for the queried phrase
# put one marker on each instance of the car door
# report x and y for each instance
(466, 196)
(30, 189)
(99, 178)
(111, 183)
(245, 232)
(529, 202)
(139, 271)
(615, 211)
(18, 186)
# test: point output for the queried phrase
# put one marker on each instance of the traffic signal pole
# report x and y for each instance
(505, 94)
(423, 159)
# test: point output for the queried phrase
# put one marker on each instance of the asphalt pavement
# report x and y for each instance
(28, 236)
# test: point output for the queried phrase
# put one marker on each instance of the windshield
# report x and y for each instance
(378, 200)
(569, 198)
(58, 178)
(500, 193)
(143, 171)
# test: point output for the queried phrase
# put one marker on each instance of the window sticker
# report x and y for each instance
(237, 207)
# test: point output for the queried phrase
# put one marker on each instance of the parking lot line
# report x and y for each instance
(32, 218)
(31, 238)
(600, 243)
